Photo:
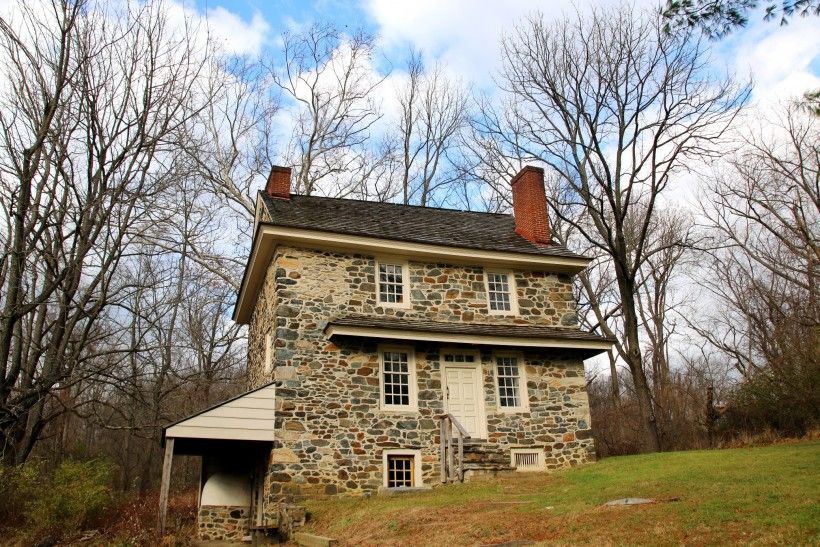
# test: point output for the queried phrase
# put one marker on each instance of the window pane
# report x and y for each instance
(400, 471)
(498, 291)
(391, 283)
(508, 381)
(396, 378)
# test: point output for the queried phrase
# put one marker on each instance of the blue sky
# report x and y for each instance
(464, 35)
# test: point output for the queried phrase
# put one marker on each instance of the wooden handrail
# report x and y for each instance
(450, 469)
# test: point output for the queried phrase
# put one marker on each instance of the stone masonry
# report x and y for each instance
(330, 431)
(223, 522)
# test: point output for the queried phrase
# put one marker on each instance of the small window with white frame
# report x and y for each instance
(392, 283)
(397, 379)
(510, 384)
(402, 468)
(500, 292)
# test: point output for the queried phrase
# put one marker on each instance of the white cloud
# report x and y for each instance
(779, 58)
(237, 36)
(464, 34)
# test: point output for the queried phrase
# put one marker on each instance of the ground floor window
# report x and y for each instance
(400, 471)
(402, 468)
(509, 382)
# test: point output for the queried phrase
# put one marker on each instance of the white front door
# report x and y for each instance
(463, 389)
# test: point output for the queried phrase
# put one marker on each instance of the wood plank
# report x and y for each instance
(312, 540)
(230, 422)
(460, 458)
(443, 450)
(451, 472)
(236, 412)
(167, 463)
(185, 432)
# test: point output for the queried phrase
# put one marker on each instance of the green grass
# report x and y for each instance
(747, 495)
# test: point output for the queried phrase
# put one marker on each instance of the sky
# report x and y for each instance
(464, 35)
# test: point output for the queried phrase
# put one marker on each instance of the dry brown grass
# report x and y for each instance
(756, 495)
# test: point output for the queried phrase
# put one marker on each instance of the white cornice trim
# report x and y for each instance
(459, 338)
(268, 237)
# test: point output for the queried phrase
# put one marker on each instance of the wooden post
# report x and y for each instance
(450, 466)
(460, 457)
(443, 451)
(166, 482)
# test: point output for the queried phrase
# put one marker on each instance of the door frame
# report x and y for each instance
(478, 369)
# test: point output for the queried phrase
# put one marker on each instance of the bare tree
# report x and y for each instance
(763, 217)
(616, 107)
(433, 110)
(327, 77)
(94, 96)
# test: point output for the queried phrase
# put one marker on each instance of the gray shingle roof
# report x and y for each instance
(512, 331)
(472, 230)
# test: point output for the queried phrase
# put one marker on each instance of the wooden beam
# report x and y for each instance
(443, 450)
(450, 456)
(166, 482)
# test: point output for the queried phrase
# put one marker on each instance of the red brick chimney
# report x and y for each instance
(530, 205)
(279, 182)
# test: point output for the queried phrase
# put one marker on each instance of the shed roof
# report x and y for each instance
(246, 417)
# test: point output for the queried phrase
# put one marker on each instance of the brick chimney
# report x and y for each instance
(279, 182)
(530, 205)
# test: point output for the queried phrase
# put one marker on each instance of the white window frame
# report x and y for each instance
(538, 450)
(405, 285)
(413, 391)
(416, 455)
(513, 291)
(523, 391)
(268, 351)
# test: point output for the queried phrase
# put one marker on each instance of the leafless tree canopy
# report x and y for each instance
(615, 107)
(97, 212)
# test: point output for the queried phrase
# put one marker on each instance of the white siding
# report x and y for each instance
(246, 418)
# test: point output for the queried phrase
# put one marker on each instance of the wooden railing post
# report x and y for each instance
(450, 466)
(443, 450)
(460, 457)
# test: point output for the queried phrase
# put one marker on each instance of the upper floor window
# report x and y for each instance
(392, 283)
(511, 387)
(398, 379)
(500, 292)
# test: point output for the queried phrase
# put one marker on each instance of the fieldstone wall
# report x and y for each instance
(221, 522)
(331, 433)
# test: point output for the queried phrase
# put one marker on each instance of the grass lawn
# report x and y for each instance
(747, 495)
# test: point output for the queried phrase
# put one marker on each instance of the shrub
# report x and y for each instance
(785, 401)
(77, 492)
(60, 502)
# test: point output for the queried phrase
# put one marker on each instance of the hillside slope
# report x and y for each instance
(767, 495)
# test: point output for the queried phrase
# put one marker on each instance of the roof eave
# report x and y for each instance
(269, 235)
(593, 347)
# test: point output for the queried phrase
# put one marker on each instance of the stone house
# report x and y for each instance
(393, 347)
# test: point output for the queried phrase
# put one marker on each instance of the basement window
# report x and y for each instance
(392, 284)
(400, 471)
(526, 459)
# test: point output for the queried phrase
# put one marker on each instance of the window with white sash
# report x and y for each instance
(398, 379)
(392, 284)
(500, 292)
